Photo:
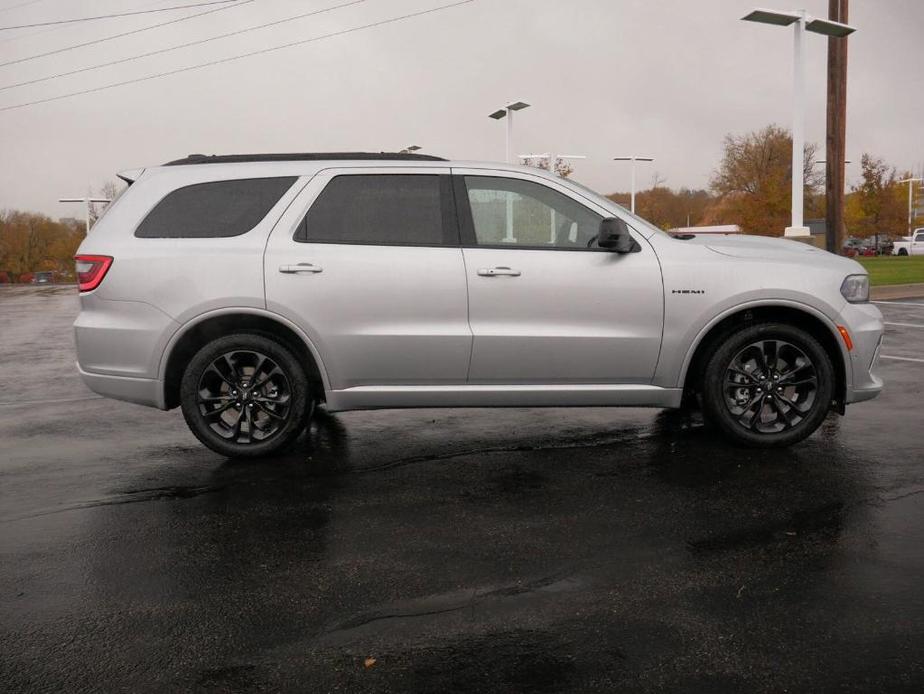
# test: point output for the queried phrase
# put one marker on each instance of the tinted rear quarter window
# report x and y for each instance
(215, 209)
(382, 209)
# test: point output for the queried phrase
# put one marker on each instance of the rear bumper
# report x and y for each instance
(141, 391)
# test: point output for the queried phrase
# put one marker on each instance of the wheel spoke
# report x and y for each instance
(770, 351)
(789, 375)
(268, 411)
(219, 410)
(214, 369)
(793, 405)
(754, 421)
(266, 379)
(231, 368)
(786, 414)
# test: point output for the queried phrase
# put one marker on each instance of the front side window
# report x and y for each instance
(919, 237)
(513, 212)
(379, 209)
(214, 209)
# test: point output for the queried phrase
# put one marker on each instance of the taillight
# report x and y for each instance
(91, 269)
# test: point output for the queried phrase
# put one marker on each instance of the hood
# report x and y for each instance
(756, 246)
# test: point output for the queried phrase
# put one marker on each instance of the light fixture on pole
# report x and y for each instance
(633, 159)
(410, 149)
(507, 112)
(800, 21)
(87, 201)
(910, 182)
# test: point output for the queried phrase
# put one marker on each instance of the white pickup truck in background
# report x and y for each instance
(910, 245)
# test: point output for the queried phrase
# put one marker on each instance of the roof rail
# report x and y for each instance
(304, 156)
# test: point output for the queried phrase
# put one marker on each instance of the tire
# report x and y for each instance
(903, 251)
(232, 417)
(736, 397)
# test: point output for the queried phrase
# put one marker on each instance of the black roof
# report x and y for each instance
(304, 156)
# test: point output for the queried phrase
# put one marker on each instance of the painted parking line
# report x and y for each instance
(52, 401)
(899, 303)
(886, 356)
(906, 325)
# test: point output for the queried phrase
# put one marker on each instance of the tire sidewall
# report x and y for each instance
(714, 380)
(294, 372)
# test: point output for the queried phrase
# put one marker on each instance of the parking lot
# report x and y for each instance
(452, 550)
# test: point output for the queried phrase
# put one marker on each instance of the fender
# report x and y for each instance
(805, 308)
(199, 318)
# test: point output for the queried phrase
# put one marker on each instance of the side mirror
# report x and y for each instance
(614, 236)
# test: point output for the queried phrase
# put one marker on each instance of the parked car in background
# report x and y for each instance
(43, 277)
(910, 245)
(244, 289)
(854, 247)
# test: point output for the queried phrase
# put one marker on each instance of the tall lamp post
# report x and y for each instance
(87, 201)
(800, 21)
(910, 182)
(507, 112)
(633, 159)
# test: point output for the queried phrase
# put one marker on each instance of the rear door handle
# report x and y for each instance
(498, 271)
(300, 268)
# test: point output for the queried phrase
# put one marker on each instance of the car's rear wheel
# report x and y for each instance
(768, 385)
(245, 395)
(903, 251)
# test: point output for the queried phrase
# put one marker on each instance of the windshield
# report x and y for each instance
(608, 204)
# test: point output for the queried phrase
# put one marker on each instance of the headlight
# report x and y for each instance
(855, 288)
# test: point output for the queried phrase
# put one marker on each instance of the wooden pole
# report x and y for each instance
(835, 144)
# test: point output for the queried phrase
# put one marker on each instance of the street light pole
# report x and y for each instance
(633, 159)
(507, 112)
(910, 182)
(87, 201)
(797, 227)
(800, 22)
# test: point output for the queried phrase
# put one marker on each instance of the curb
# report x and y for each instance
(897, 291)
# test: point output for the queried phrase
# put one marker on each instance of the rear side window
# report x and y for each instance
(381, 209)
(214, 209)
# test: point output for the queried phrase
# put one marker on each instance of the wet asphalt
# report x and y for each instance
(452, 550)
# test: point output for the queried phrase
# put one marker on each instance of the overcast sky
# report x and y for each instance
(663, 78)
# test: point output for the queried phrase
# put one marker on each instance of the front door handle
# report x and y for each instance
(301, 267)
(498, 271)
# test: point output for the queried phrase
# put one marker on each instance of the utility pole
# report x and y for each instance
(835, 142)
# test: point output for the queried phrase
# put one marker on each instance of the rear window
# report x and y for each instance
(381, 209)
(214, 209)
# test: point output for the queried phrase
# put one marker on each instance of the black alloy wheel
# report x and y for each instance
(768, 385)
(245, 396)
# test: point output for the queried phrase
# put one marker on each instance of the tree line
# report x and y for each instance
(751, 187)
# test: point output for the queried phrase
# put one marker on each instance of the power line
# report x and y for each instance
(237, 57)
(112, 16)
(18, 5)
(182, 45)
(126, 33)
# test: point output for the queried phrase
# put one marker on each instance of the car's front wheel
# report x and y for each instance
(768, 385)
(245, 395)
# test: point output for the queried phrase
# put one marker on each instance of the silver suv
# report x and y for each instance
(245, 289)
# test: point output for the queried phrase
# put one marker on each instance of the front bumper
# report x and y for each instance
(864, 323)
